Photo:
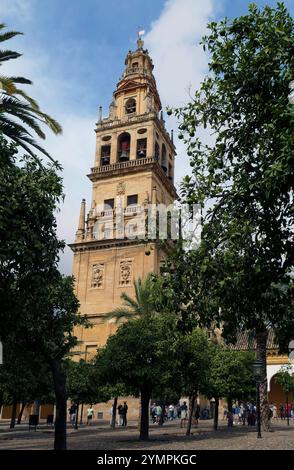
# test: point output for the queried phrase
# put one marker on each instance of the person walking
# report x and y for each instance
(184, 413)
(90, 414)
(171, 412)
(72, 413)
(124, 414)
(197, 414)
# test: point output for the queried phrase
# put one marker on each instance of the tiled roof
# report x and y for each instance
(245, 341)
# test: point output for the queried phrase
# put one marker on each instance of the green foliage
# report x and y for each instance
(141, 355)
(194, 352)
(29, 195)
(243, 180)
(24, 377)
(82, 384)
(150, 298)
(15, 103)
(230, 374)
(285, 379)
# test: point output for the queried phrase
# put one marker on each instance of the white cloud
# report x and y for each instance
(179, 61)
(16, 8)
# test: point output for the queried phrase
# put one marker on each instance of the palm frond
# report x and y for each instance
(8, 34)
(119, 313)
(23, 114)
(7, 55)
(129, 302)
(7, 85)
(18, 134)
(25, 109)
(51, 122)
(30, 100)
(22, 80)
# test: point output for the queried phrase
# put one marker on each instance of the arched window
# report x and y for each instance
(130, 106)
(105, 155)
(163, 158)
(123, 146)
(141, 148)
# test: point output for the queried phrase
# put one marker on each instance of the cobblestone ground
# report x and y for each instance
(169, 437)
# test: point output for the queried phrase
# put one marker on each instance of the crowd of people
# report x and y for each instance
(245, 413)
(242, 413)
(159, 414)
(73, 414)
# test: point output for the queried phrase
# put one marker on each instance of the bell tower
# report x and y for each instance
(134, 166)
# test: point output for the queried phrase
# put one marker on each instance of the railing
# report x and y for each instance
(133, 209)
(121, 165)
(108, 123)
(131, 70)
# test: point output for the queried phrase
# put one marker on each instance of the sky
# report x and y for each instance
(74, 51)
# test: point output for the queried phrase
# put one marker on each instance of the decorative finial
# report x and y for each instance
(100, 113)
(140, 42)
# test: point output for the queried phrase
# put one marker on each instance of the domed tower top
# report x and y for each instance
(137, 78)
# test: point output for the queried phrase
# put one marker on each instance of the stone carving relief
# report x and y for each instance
(97, 281)
(121, 188)
(125, 273)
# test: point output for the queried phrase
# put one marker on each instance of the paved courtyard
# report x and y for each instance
(169, 437)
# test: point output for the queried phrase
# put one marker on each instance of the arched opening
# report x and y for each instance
(276, 395)
(141, 148)
(130, 106)
(124, 145)
(156, 151)
(105, 155)
(163, 158)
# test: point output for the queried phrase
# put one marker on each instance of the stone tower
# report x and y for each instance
(134, 166)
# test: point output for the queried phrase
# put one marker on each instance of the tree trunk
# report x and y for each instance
(13, 414)
(60, 394)
(23, 405)
(215, 419)
(114, 407)
(144, 428)
(230, 412)
(77, 415)
(192, 400)
(81, 417)
(261, 341)
(1, 402)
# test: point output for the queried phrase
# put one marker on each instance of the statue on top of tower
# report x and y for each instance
(140, 42)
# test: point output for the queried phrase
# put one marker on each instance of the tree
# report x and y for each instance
(15, 103)
(194, 358)
(144, 303)
(29, 197)
(145, 347)
(230, 377)
(82, 385)
(285, 379)
(39, 309)
(244, 179)
(56, 307)
(24, 378)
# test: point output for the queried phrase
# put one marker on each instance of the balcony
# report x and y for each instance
(126, 167)
(135, 70)
(131, 210)
(122, 165)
